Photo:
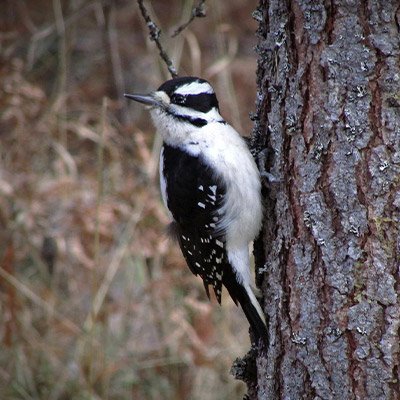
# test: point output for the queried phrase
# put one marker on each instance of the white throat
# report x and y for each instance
(176, 131)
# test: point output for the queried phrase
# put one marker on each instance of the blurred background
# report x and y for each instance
(95, 301)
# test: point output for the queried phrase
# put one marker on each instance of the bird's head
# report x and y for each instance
(181, 104)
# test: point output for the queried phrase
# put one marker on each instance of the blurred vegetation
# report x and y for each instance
(96, 303)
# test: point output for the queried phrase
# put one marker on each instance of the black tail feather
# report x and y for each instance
(239, 295)
(257, 324)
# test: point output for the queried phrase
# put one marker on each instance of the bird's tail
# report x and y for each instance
(243, 294)
(254, 315)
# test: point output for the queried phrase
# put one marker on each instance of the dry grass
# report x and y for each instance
(95, 302)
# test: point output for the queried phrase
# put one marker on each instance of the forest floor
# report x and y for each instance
(96, 302)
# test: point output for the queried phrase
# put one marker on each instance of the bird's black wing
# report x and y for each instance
(194, 196)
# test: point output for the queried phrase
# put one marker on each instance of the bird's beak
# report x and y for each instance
(147, 99)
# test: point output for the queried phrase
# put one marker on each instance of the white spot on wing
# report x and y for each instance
(213, 189)
(202, 205)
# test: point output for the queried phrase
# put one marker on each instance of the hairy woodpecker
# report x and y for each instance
(211, 186)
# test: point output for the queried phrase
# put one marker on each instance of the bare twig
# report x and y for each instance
(155, 34)
(197, 12)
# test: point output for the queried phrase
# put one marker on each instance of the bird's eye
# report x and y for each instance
(178, 99)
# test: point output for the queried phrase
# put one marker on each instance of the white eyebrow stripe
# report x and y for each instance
(195, 88)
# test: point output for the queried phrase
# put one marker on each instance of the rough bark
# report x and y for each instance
(329, 108)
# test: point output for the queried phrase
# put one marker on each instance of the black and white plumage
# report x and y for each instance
(211, 186)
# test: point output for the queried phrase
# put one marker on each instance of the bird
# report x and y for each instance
(211, 186)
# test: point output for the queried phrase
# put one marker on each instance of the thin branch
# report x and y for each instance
(155, 34)
(197, 12)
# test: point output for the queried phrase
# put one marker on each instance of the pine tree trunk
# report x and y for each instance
(329, 110)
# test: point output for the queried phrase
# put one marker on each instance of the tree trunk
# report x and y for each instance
(328, 107)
